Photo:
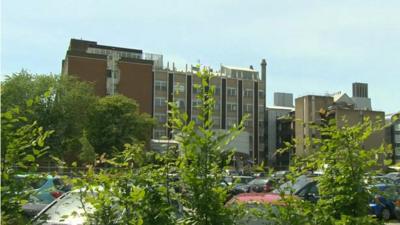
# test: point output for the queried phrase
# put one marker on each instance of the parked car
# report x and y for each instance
(280, 176)
(382, 203)
(238, 184)
(393, 175)
(259, 174)
(304, 187)
(261, 185)
(43, 190)
(68, 209)
(257, 213)
(382, 180)
(238, 179)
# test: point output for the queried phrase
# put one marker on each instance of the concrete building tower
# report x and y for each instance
(360, 90)
(360, 96)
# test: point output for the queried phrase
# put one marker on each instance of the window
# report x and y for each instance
(231, 91)
(261, 124)
(230, 122)
(248, 108)
(160, 85)
(232, 107)
(248, 123)
(397, 127)
(196, 90)
(217, 122)
(180, 103)
(260, 109)
(161, 118)
(179, 88)
(217, 91)
(397, 138)
(217, 106)
(196, 120)
(160, 102)
(261, 94)
(159, 133)
(196, 103)
(248, 93)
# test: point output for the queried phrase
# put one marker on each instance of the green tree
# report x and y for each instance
(61, 104)
(22, 143)
(87, 155)
(114, 121)
(202, 156)
(346, 166)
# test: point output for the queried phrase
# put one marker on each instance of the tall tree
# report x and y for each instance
(61, 104)
(116, 120)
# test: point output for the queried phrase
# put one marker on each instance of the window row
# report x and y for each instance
(161, 85)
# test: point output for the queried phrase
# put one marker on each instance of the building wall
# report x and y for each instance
(92, 70)
(272, 131)
(307, 111)
(395, 136)
(285, 134)
(240, 95)
(136, 82)
(352, 117)
(128, 72)
(283, 99)
(101, 64)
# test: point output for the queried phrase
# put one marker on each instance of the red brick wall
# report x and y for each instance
(91, 70)
(136, 82)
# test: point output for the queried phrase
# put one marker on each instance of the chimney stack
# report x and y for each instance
(264, 70)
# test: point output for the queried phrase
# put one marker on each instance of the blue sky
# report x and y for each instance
(311, 46)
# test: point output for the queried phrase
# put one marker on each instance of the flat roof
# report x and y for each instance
(94, 44)
(240, 68)
(280, 107)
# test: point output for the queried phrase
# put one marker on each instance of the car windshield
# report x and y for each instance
(31, 181)
(288, 188)
(243, 180)
(381, 180)
(258, 181)
(392, 175)
(68, 208)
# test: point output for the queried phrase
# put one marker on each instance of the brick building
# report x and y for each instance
(142, 77)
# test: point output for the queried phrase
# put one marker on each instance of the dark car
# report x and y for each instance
(261, 185)
(304, 187)
(239, 184)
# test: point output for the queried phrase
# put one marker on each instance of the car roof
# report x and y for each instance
(256, 197)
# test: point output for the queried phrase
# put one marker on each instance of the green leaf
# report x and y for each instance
(29, 158)
(29, 102)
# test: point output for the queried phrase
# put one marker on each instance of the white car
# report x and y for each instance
(68, 209)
